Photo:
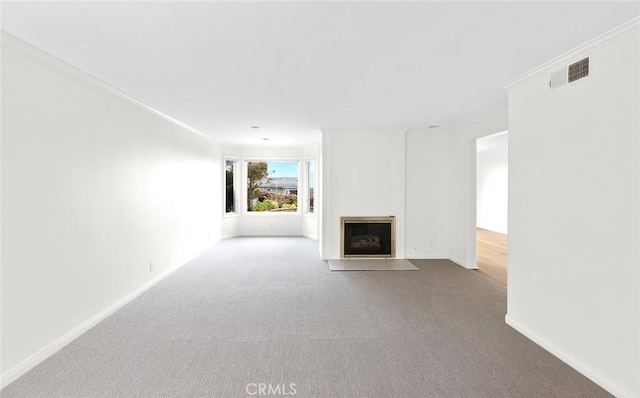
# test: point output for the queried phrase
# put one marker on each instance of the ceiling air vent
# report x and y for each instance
(579, 70)
(574, 72)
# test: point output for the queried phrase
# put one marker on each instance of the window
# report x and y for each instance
(311, 181)
(230, 171)
(272, 186)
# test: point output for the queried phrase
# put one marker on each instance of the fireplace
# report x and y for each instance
(367, 236)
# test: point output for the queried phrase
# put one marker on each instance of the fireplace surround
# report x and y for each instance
(368, 237)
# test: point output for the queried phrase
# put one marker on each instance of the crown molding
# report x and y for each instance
(605, 39)
(57, 63)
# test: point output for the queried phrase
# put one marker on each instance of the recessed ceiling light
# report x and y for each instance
(434, 126)
(255, 127)
(266, 139)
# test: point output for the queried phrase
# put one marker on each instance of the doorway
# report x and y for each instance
(492, 205)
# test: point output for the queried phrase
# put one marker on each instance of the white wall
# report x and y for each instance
(492, 191)
(573, 212)
(363, 174)
(427, 193)
(320, 194)
(94, 189)
(462, 196)
(262, 223)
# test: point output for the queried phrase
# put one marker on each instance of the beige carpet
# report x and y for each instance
(254, 311)
(371, 264)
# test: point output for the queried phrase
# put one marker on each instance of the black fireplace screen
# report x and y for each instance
(367, 238)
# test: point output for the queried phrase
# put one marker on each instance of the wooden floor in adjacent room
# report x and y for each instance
(492, 255)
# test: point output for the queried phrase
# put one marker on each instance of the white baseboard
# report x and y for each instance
(34, 360)
(462, 263)
(564, 356)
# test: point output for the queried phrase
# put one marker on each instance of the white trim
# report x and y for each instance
(564, 356)
(472, 204)
(296, 213)
(37, 358)
(605, 39)
(461, 263)
(270, 235)
(63, 66)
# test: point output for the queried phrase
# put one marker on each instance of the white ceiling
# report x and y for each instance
(296, 68)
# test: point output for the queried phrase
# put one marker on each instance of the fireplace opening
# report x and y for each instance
(368, 237)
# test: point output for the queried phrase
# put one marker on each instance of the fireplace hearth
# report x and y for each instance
(367, 237)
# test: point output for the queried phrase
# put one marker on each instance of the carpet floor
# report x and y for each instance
(253, 311)
(385, 264)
